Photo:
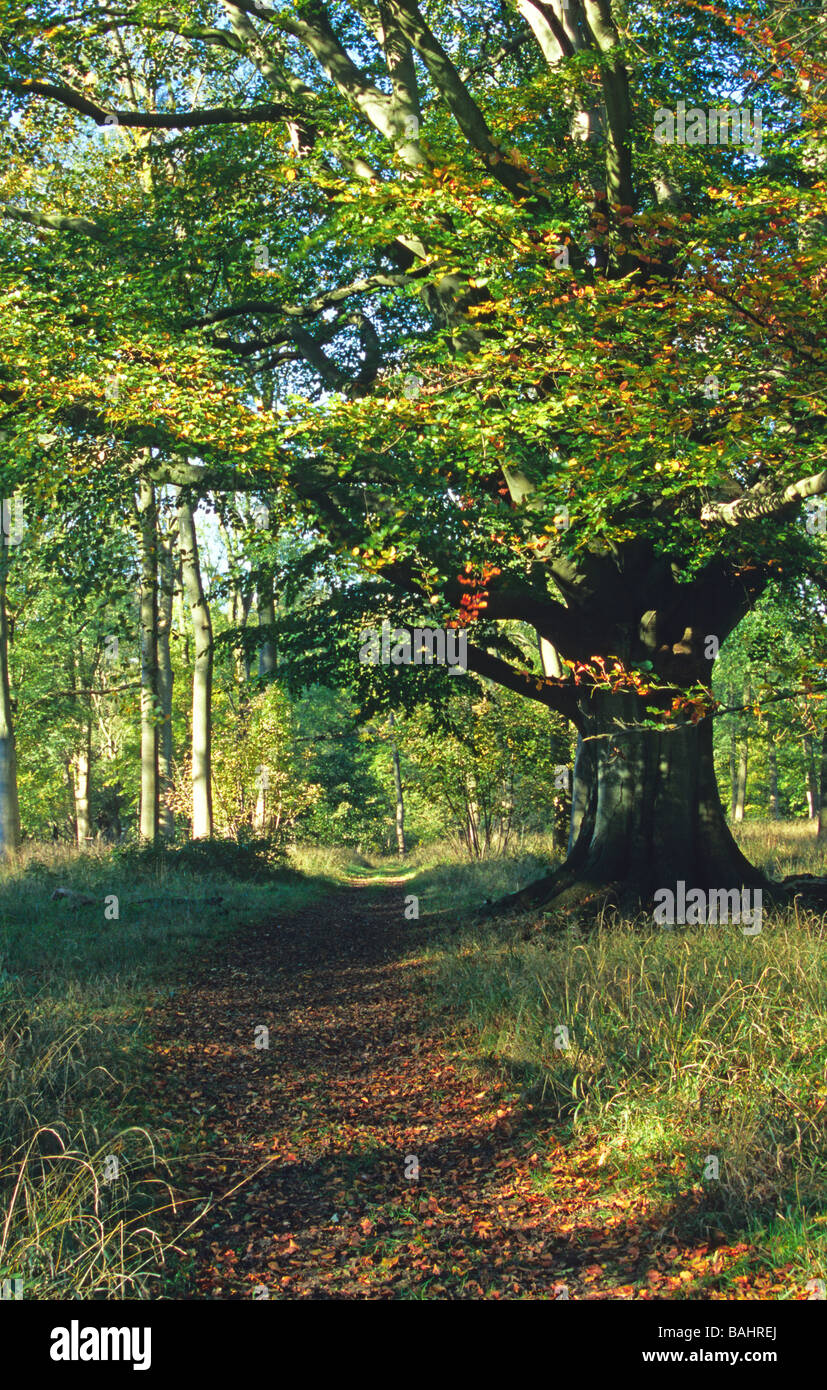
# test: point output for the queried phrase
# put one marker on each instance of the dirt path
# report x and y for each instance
(352, 1093)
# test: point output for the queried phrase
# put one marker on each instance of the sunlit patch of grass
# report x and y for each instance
(77, 1186)
(791, 1239)
(697, 1042)
(445, 876)
(328, 861)
(437, 873)
(781, 847)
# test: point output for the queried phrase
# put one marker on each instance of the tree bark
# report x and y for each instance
(202, 813)
(9, 803)
(166, 815)
(240, 600)
(733, 755)
(743, 765)
(266, 620)
(812, 777)
(772, 764)
(646, 814)
(561, 803)
(260, 810)
(82, 786)
(400, 800)
(148, 517)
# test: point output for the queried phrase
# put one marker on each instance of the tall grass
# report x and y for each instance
(782, 847)
(76, 1186)
(444, 877)
(329, 861)
(670, 1047)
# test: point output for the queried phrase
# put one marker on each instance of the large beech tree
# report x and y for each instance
(425, 274)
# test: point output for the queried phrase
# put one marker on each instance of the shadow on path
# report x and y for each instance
(357, 1156)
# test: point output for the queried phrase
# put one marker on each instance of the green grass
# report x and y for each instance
(437, 873)
(682, 1044)
(783, 847)
(440, 875)
(690, 1042)
(83, 1166)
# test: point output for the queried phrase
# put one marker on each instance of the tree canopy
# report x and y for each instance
(519, 304)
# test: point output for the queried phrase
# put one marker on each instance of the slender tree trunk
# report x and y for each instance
(741, 784)
(400, 801)
(561, 807)
(743, 765)
(202, 815)
(82, 786)
(166, 814)
(240, 603)
(812, 777)
(266, 619)
(733, 755)
(239, 612)
(822, 796)
(772, 761)
(148, 516)
(261, 807)
(9, 803)
(473, 813)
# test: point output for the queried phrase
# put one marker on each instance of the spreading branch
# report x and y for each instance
(758, 504)
(53, 221)
(554, 694)
(152, 120)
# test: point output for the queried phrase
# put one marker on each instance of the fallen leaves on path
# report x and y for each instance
(358, 1156)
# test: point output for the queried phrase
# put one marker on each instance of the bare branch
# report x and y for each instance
(312, 307)
(554, 694)
(151, 120)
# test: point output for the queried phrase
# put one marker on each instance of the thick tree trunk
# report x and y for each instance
(148, 516)
(9, 804)
(646, 814)
(166, 815)
(202, 816)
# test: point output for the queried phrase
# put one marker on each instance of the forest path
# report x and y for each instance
(358, 1077)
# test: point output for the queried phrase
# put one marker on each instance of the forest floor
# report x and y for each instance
(367, 1153)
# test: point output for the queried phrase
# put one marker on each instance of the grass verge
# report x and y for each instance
(87, 941)
(694, 1058)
